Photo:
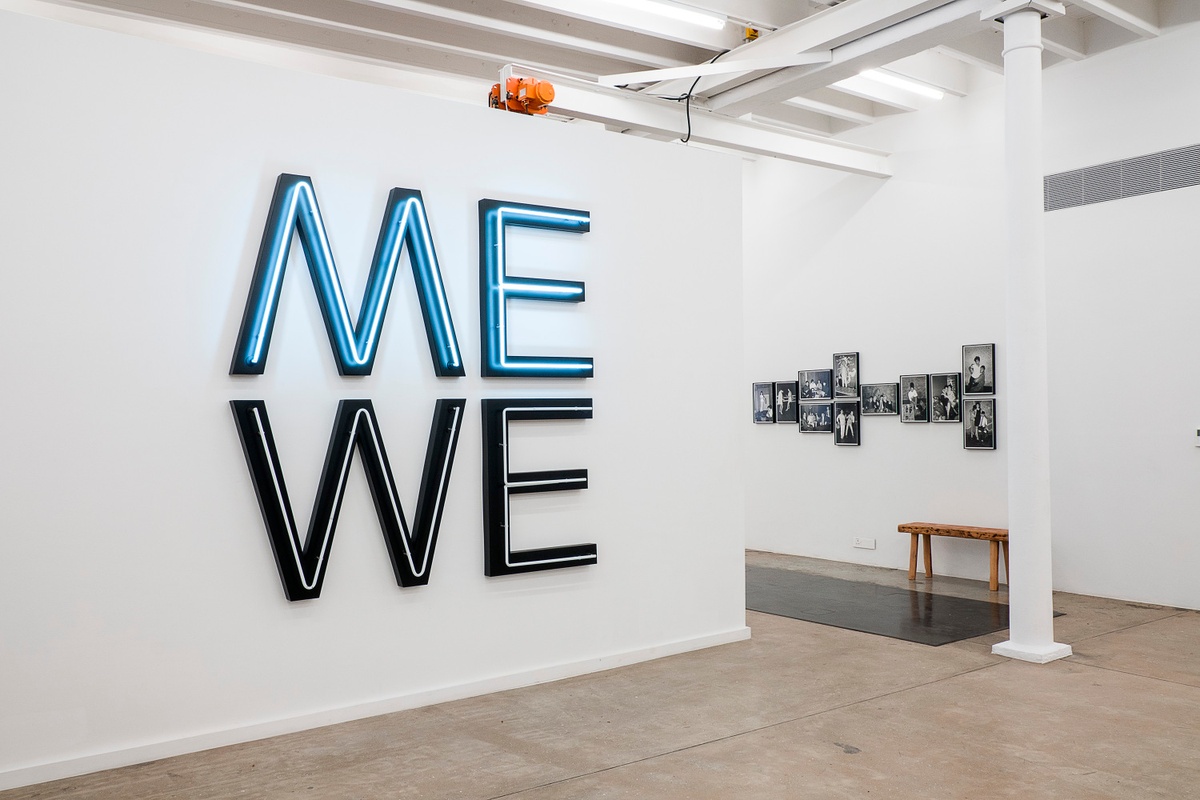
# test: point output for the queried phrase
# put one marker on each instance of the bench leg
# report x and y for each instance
(912, 558)
(1005, 551)
(993, 575)
(928, 555)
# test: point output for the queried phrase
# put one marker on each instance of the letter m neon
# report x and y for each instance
(294, 210)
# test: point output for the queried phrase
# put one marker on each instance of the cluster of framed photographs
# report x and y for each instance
(833, 400)
(979, 401)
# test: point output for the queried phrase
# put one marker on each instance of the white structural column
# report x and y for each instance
(1031, 610)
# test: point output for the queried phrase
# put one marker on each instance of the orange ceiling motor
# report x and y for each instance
(523, 95)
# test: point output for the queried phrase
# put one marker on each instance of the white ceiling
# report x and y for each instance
(797, 112)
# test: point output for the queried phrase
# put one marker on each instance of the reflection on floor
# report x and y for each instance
(914, 615)
(800, 710)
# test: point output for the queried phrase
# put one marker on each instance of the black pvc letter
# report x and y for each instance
(302, 563)
(498, 484)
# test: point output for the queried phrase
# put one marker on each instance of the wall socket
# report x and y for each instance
(864, 544)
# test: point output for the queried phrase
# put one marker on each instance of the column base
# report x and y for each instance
(1036, 654)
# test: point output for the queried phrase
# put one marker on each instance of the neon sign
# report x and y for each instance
(302, 561)
(294, 210)
(497, 287)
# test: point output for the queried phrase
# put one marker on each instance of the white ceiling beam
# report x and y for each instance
(313, 18)
(1066, 37)
(661, 117)
(981, 49)
(239, 19)
(1138, 16)
(361, 35)
(826, 30)
(631, 19)
(832, 103)
(780, 115)
(535, 27)
(797, 119)
(712, 68)
(935, 69)
(417, 79)
(881, 93)
(897, 41)
(770, 14)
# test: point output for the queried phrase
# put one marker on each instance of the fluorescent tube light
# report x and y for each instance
(673, 11)
(892, 79)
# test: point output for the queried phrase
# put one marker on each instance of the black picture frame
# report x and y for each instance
(815, 384)
(762, 394)
(816, 417)
(880, 399)
(979, 423)
(845, 375)
(787, 402)
(979, 369)
(914, 398)
(945, 397)
(847, 423)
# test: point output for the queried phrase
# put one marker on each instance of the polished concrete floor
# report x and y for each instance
(799, 711)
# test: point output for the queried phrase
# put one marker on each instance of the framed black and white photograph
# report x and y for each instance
(764, 405)
(979, 368)
(979, 424)
(845, 374)
(816, 418)
(945, 397)
(880, 399)
(914, 398)
(847, 414)
(816, 384)
(787, 403)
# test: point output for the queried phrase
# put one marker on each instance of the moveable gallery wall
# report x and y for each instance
(1123, 328)
(141, 601)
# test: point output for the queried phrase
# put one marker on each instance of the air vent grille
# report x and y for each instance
(1064, 190)
(1181, 168)
(1102, 182)
(1157, 172)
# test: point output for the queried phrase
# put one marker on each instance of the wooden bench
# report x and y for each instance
(996, 537)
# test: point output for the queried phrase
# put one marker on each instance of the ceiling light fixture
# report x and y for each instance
(892, 79)
(673, 11)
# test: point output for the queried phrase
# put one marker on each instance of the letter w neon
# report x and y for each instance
(302, 563)
(294, 209)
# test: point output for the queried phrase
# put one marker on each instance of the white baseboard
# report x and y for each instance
(1036, 654)
(56, 770)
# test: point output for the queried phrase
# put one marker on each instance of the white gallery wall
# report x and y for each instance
(909, 269)
(142, 613)
(904, 271)
(1123, 278)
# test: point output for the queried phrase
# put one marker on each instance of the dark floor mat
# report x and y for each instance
(912, 615)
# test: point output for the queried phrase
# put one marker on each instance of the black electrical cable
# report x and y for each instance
(687, 99)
